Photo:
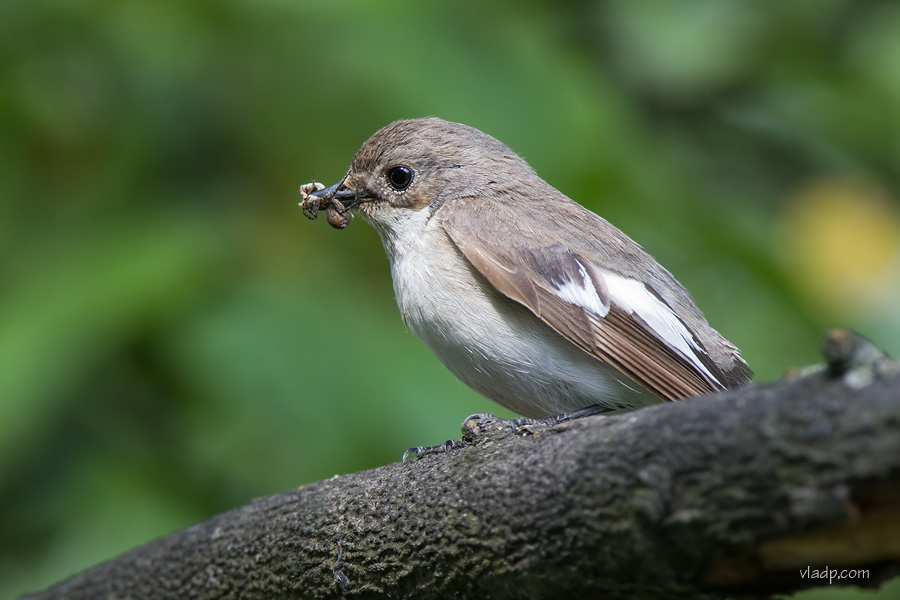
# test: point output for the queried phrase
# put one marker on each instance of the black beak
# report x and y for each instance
(334, 192)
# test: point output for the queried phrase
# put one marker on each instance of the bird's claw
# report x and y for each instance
(422, 451)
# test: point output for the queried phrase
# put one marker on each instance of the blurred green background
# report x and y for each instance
(176, 338)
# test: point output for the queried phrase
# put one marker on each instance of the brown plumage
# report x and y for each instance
(474, 235)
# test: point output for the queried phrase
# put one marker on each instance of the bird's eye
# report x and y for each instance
(400, 177)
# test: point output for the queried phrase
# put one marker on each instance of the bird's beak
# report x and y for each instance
(335, 192)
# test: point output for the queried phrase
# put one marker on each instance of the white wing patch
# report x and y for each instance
(634, 297)
(582, 293)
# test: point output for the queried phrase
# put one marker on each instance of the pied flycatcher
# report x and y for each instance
(527, 297)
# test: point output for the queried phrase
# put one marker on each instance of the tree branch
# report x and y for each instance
(710, 497)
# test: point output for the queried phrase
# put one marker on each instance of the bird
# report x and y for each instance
(526, 296)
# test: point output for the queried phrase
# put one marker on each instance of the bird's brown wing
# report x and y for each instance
(617, 319)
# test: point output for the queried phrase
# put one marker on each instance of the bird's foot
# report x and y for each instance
(421, 451)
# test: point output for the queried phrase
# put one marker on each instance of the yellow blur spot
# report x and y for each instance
(840, 241)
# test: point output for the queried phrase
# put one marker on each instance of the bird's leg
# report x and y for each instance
(521, 422)
(528, 425)
(473, 424)
(587, 411)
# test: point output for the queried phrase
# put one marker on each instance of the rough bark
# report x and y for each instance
(711, 497)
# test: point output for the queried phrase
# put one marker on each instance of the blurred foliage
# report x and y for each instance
(175, 338)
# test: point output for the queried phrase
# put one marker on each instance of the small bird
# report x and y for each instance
(524, 295)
